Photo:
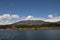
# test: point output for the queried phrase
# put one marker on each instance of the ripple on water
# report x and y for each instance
(29, 34)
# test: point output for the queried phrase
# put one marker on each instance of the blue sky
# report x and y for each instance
(36, 8)
(13, 10)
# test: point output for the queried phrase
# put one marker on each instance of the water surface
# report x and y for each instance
(29, 34)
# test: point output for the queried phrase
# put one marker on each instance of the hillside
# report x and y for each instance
(29, 24)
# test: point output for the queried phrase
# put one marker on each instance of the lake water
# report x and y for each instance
(29, 34)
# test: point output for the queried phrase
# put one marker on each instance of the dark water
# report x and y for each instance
(29, 35)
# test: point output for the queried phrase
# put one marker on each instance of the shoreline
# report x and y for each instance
(42, 28)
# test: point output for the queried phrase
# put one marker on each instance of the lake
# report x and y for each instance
(29, 34)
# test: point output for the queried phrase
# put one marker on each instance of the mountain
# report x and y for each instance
(30, 22)
(38, 22)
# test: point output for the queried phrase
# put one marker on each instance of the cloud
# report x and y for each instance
(9, 19)
(31, 18)
(51, 18)
(5, 18)
(14, 16)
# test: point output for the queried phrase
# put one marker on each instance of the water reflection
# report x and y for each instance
(29, 34)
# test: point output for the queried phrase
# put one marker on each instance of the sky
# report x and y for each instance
(27, 8)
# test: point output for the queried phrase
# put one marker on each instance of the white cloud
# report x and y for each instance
(31, 18)
(14, 16)
(50, 18)
(5, 19)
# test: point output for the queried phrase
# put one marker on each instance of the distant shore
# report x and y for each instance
(42, 28)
